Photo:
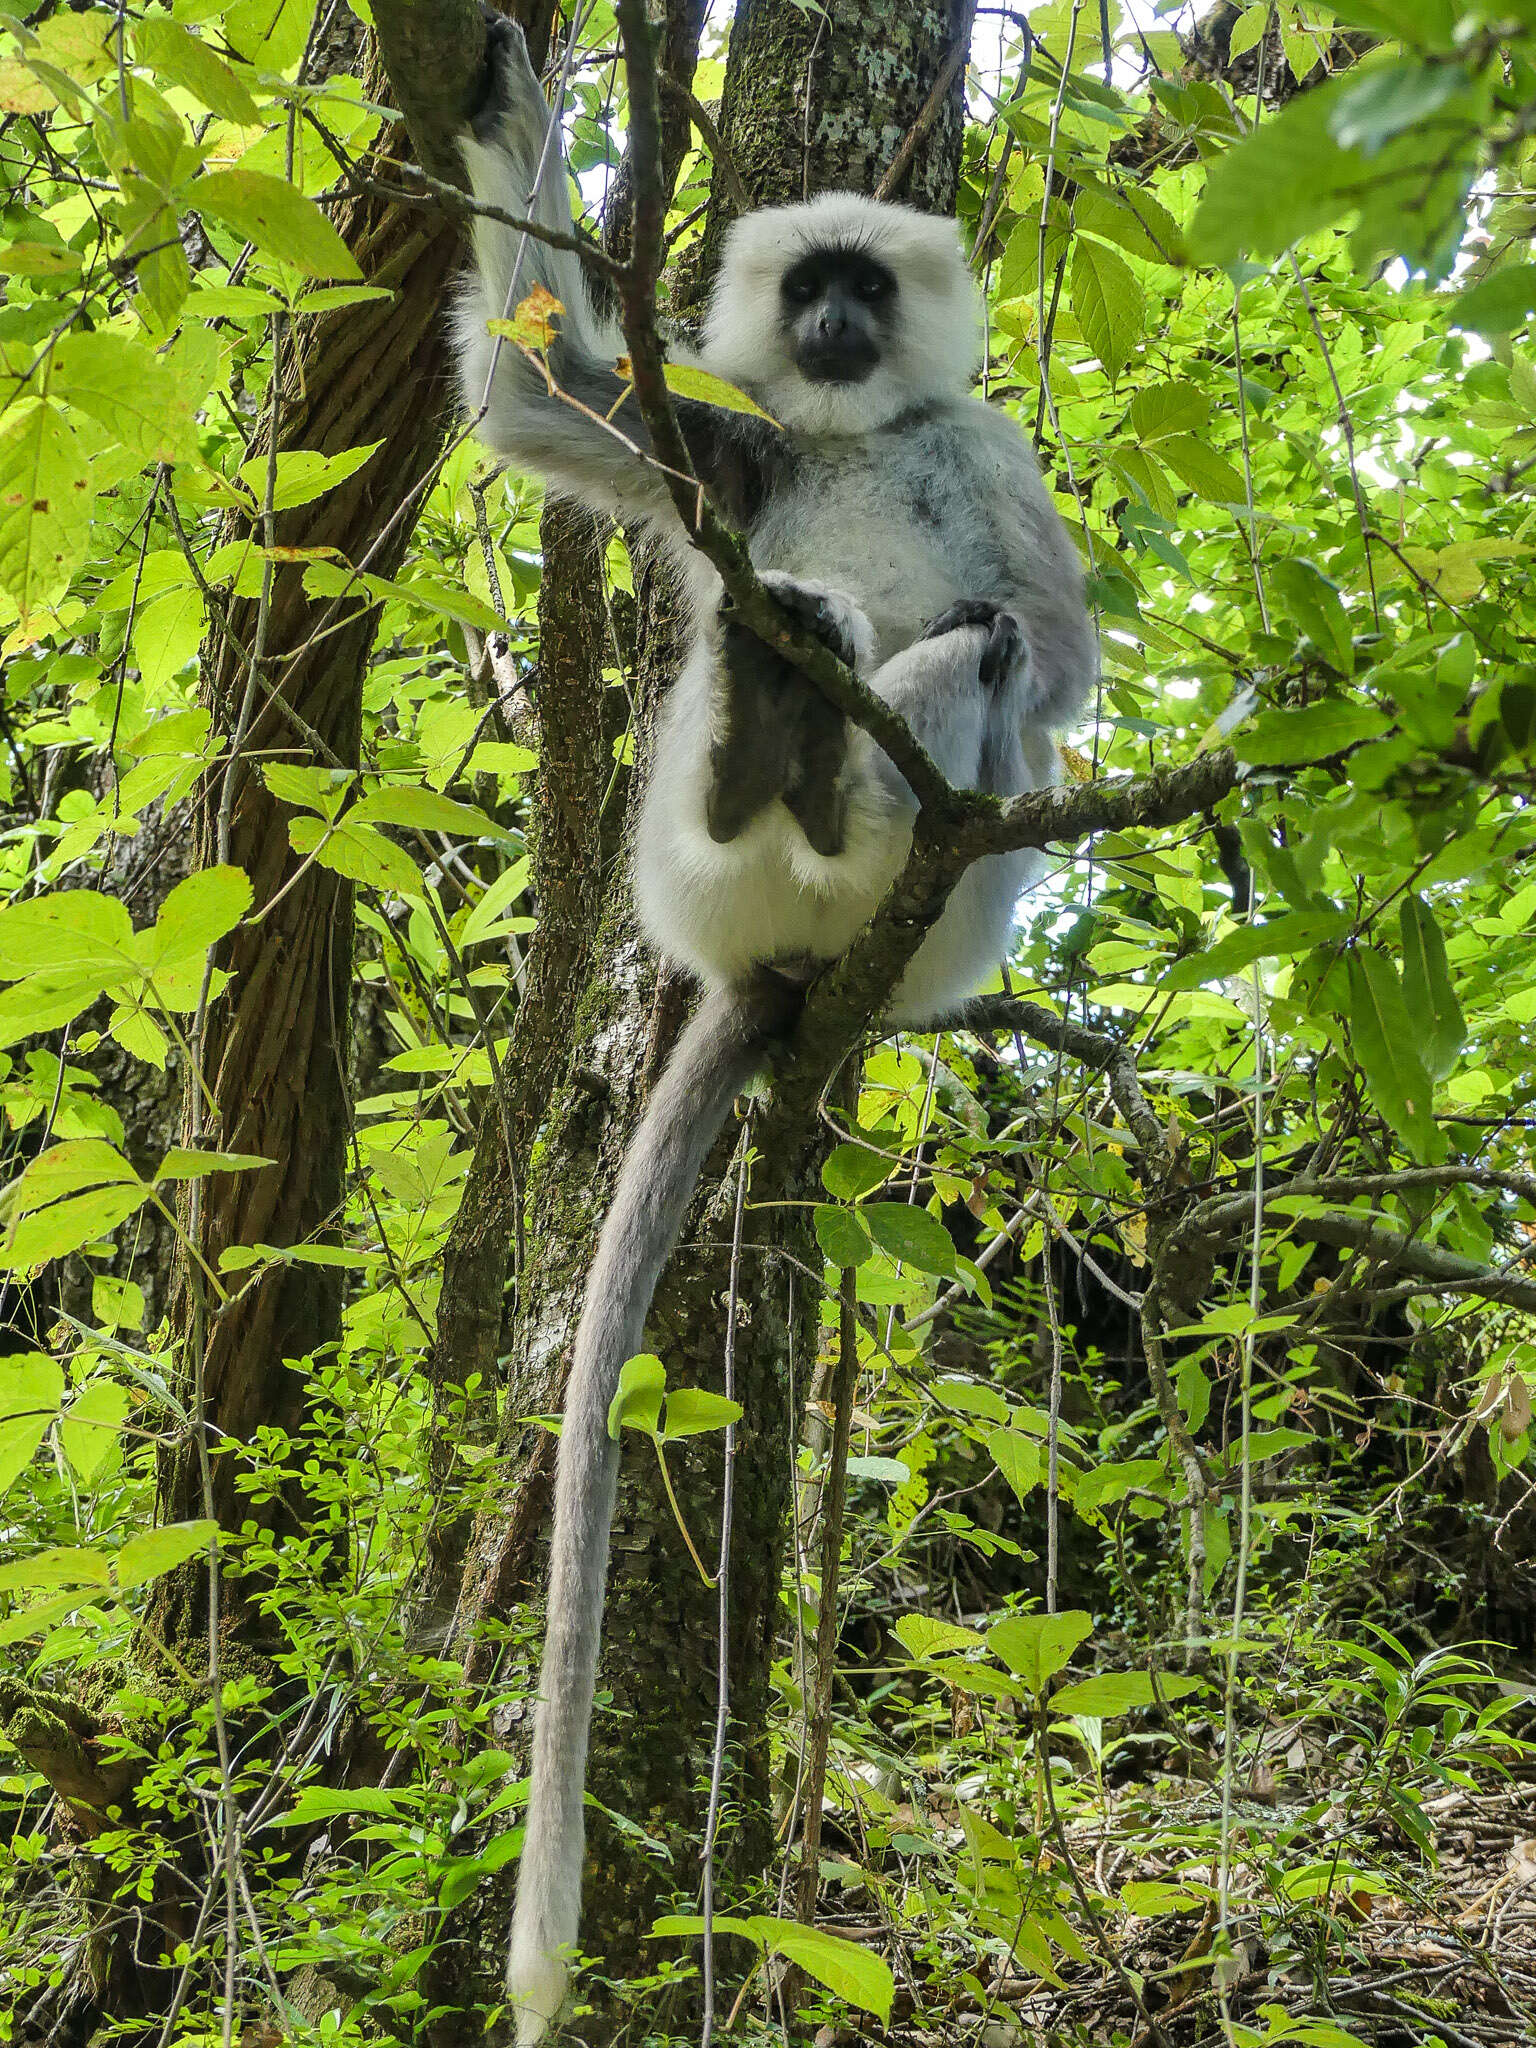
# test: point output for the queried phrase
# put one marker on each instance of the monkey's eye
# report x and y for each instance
(800, 291)
(872, 289)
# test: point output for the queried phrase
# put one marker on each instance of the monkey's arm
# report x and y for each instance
(565, 434)
(1043, 577)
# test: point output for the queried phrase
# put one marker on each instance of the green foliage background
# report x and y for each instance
(1259, 1410)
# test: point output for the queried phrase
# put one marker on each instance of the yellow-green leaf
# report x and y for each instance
(278, 219)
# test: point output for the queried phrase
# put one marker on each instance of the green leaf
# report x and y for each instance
(31, 1392)
(184, 1162)
(303, 474)
(1279, 183)
(1390, 97)
(278, 219)
(842, 1236)
(358, 852)
(911, 1235)
(1017, 1457)
(1440, 1029)
(65, 1169)
(90, 1427)
(68, 1226)
(53, 1568)
(1107, 303)
(1312, 599)
(924, 1636)
(636, 1403)
(1499, 303)
(46, 496)
(183, 59)
(1104, 1696)
(196, 915)
(421, 810)
(1147, 1898)
(1036, 1646)
(1169, 409)
(32, 1621)
(849, 1970)
(501, 894)
(137, 397)
(1281, 938)
(691, 1411)
(328, 1802)
(1382, 1040)
(688, 382)
(1201, 469)
(1310, 732)
(853, 1170)
(159, 1551)
(79, 931)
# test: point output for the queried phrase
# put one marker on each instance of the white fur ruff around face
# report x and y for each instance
(937, 345)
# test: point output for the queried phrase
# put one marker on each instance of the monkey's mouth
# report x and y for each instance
(837, 364)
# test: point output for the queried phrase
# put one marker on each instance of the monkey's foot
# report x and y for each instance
(778, 737)
(505, 71)
(1004, 644)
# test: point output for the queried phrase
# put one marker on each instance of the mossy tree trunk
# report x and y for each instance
(813, 100)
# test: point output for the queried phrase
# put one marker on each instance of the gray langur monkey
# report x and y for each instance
(906, 524)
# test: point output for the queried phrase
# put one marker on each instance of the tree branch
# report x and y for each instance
(1095, 1049)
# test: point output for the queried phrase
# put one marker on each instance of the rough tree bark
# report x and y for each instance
(278, 1037)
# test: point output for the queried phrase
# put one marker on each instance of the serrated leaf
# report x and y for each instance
(66, 1168)
(636, 1403)
(1282, 938)
(173, 53)
(1499, 303)
(159, 1551)
(925, 1636)
(1312, 599)
(196, 915)
(690, 382)
(1105, 1695)
(358, 852)
(68, 1226)
(32, 1621)
(1147, 1898)
(1107, 303)
(501, 894)
(1381, 1040)
(1169, 409)
(46, 494)
(74, 931)
(849, 1970)
(137, 397)
(1206, 473)
(1440, 1029)
(842, 1236)
(691, 1411)
(911, 1235)
(852, 1170)
(1036, 1646)
(277, 218)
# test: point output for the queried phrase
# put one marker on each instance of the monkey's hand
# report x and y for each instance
(775, 734)
(1004, 646)
(507, 84)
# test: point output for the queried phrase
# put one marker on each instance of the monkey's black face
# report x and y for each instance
(837, 307)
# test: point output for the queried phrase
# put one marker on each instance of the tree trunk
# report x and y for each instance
(278, 1038)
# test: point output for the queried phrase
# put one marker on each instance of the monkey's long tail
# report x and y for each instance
(714, 1060)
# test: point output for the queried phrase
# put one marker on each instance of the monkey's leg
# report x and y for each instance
(773, 733)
